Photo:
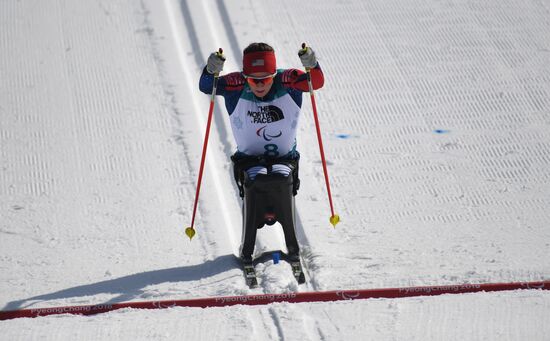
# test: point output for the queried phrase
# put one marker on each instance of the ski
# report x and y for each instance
(250, 272)
(298, 272)
(250, 275)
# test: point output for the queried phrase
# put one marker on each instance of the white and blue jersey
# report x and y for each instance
(264, 126)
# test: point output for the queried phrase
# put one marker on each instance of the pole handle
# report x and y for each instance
(303, 50)
(220, 54)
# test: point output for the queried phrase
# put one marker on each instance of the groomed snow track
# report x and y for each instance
(435, 118)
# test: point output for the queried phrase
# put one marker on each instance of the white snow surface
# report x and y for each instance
(436, 124)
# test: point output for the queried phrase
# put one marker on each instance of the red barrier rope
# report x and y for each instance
(292, 297)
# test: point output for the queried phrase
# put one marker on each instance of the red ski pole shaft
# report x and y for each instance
(190, 231)
(334, 219)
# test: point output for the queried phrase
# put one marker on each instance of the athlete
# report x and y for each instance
(264, 104)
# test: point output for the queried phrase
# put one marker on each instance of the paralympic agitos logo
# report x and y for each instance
(266, 114)
(262, 133)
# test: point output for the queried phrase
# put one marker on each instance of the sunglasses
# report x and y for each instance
(266, 80)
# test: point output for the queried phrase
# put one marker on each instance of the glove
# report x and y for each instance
(307, 56)
(215, 62)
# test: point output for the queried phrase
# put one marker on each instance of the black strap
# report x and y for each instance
(242, 162)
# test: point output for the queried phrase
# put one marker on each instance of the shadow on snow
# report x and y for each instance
(130, 287)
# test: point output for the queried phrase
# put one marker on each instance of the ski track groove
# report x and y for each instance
(276, 322)
(211, 163)
(189, 27)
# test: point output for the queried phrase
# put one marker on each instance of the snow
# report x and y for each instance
(435, 118)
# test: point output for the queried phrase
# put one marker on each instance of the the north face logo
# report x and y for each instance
(267, 114)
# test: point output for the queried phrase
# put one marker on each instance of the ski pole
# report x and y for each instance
(334, 218)
(190, 231)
